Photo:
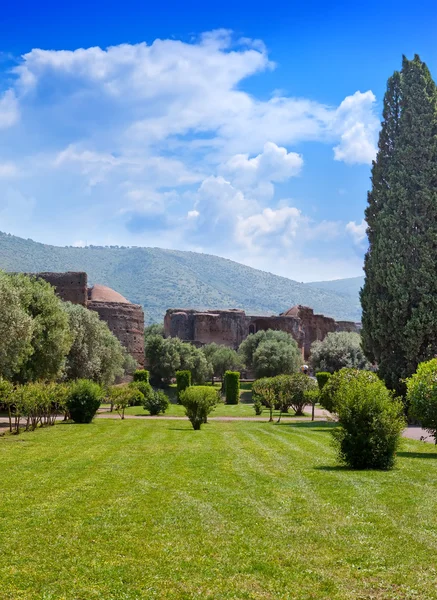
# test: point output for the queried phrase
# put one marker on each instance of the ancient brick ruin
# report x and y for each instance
(231, 327)
(124, 319)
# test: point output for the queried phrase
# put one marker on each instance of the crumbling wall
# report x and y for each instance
(126, 321)
(70, 287)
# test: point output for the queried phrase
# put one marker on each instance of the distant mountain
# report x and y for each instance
(160, 279)
(347, 287)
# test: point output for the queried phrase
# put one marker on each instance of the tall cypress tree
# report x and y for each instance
(399, 297)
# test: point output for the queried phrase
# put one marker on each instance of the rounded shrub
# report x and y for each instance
(422, 396)
(141, 375)
(329, 394)
(370, 424)
(183, 381)
(199, 401)
(83, 400)
(232, 387)
(144, 388)
(322, 378)
(156, 403)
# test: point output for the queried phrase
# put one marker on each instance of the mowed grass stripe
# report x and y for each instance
(147, 509)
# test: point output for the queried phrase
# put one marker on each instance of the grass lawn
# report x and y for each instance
(123, 510)
(243, 409)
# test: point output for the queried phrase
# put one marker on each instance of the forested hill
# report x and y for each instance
(160, 279)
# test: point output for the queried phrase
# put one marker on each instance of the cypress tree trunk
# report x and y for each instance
(399, 297)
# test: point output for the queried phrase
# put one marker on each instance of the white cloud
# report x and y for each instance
(9, 112)
(117, 141)
(357, 230)
(358, 127)
(8, 170)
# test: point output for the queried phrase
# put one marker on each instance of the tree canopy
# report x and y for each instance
(337, 351)
(399, 297)
(269, 353)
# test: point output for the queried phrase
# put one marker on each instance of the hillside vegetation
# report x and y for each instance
(160, 279)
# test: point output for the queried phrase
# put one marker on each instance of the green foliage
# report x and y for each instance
(144, 388)
(83, 400)
(174, 278)
(183, 381)
(422, 396)
(154, 329)
(51, 338)
(258, 406)
(322, 378)
(269, 353)
(156, 403)
(222, 359)
(141, 375)
(199, 402)
(399, 297)
(33, 404)
(330, 393)
(165, 356)
(96, 353)
(123, 396)
(370, 424)
(264, 391)
(338, 351)
(16, 329)
(232, 387)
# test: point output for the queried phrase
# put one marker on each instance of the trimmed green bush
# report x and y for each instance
(232, 387)
(322, 378)
(422, 396)
(370, 424)
(156, 403)
(329, 397)
(183, 381)
(145, 390)
(142, 375)
(83, 400)
(199, 401)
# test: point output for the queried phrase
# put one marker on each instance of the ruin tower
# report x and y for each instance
(124, 319)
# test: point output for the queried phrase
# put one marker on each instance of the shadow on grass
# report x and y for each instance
(246, 397)
(417, 455)
(335, 468)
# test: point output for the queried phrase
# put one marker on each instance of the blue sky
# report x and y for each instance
(229, 128)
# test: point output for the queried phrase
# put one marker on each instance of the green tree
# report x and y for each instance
(222, 359)
(338, 350)
(199, 402)
(399, 297)
(95, 353)
(154, 329)
(16, 330)
(165, 356)
(422, 396)
(51, 339)
(276, 358)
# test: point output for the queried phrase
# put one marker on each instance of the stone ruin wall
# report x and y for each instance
(125, 320)
(231, 327)
(70, 287)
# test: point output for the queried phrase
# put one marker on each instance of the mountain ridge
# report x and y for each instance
(159, 279)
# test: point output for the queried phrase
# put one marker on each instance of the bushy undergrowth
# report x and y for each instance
(199, 402)
(329, 393)
(283, 392)
(183, 381)
(141, 375)
(370, 423)
(156, 403)
(83, 400)
(422, 396)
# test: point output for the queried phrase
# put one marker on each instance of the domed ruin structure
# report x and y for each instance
(124, 319)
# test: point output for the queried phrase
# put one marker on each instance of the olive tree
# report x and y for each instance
(338, 351)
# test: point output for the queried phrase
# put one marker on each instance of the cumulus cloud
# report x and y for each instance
(357, 230)
(9, 112)
(163, 138)
(357, 125)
